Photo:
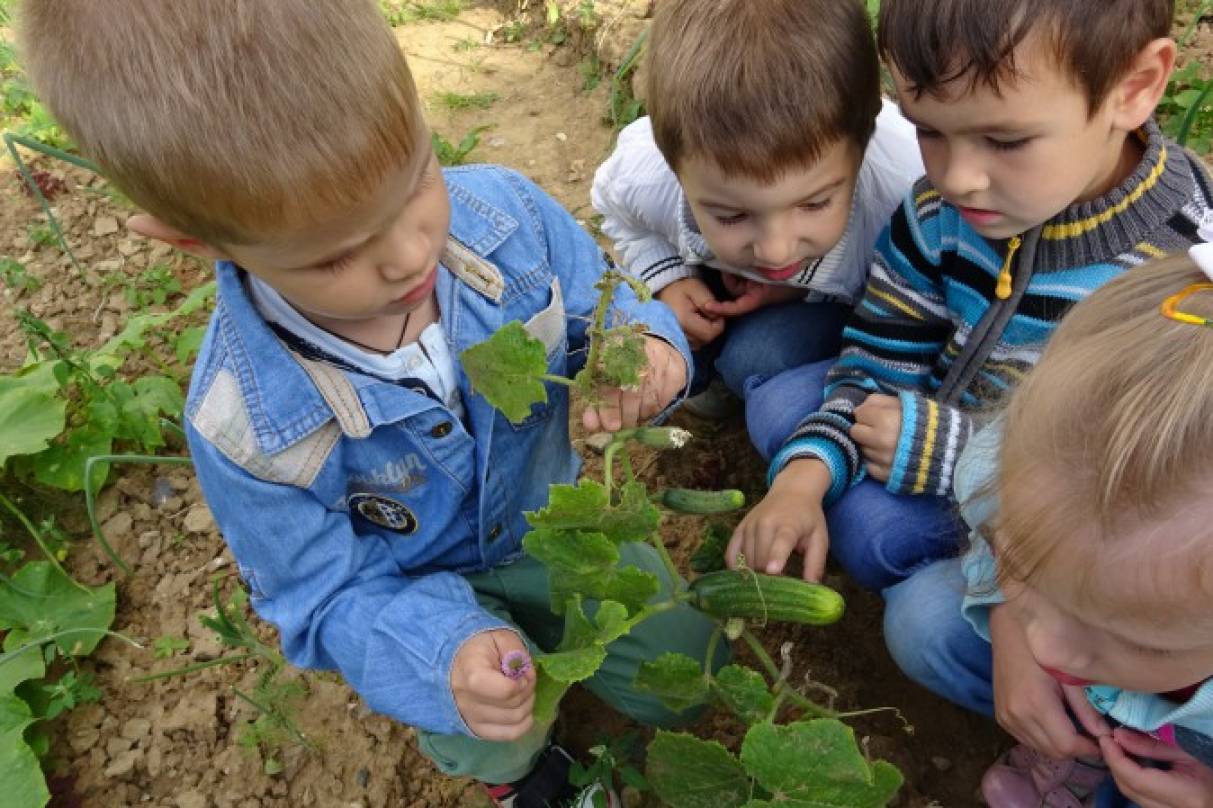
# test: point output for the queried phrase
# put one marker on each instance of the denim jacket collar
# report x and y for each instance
(284, 399)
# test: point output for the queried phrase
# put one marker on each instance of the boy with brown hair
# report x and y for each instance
(1046, 177)
(373, 503)
(750, 199)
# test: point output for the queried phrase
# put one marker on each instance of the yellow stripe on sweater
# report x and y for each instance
(1056, 232)
(924, 196)
(924, 462)
(894, 302)
(1150, 250)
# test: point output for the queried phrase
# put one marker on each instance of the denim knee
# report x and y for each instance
(775, 408)
(881, 538)
(932, 643)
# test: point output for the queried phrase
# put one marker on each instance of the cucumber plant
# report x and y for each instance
(812, 759)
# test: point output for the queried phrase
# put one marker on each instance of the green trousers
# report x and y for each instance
(518, 594)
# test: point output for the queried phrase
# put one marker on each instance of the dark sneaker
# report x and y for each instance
(548, 786)
(715, 403)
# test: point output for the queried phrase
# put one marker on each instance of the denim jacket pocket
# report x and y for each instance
(549, 327)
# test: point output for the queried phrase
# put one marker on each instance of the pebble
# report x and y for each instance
(941, 763)
(105, 226)
(124, 763)
(198, 520)
(562, 137)
(190, 799)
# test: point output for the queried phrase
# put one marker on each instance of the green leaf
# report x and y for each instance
(676, 679)
(20, 773)
(573, 666)
(745, 692)
(62, 465)
(548, 693)
(31, 414)
(709, 556)
(585, 507)
(629, 586)
(623, 358)
(507, 369)
(686, 772)
(571, 552)
(18, 667)
(814, 764)
(612, 620)
(40, 601)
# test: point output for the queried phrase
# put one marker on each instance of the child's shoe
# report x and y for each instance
(547, 786)
(1027, 779)
(715, 403)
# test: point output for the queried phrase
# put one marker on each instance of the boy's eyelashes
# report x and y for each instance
(993, 142)
(737, 218)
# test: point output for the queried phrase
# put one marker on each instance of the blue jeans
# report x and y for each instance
(879, 537)
(762, 344)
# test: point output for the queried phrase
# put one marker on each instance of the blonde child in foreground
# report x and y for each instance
(1092, 551)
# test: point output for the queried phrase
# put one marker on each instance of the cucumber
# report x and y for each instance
(745, 593)
(684, 500)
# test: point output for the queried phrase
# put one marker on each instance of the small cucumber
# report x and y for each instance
(685, 500)
(744, 593)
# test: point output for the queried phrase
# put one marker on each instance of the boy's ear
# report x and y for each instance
(149, 226)
(1141, 88)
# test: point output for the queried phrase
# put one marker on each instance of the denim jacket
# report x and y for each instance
(352, 505)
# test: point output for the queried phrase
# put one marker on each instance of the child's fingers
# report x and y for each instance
(1146, 787)
(1142, 745)
(591, 421)
(510, 731)
(1087, 715)
(815, 550)
(878, 471)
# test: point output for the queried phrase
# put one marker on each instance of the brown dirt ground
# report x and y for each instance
(172, 743)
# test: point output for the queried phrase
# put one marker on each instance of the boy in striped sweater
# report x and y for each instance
(1046, 177)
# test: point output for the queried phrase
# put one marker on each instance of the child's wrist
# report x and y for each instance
(806, 475)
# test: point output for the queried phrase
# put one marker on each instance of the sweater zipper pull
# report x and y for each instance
(1003, 289)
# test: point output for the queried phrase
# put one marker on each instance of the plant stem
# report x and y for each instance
(37, 536)
(8, 656)
(713, 641)
(552, 377)
(191, 668)
(90, 497)
(781, 685)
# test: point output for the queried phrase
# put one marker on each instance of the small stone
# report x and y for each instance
(190, 799)
(129, 247)
(198, 519)
(123, 763)
(363, 777)
(105, 226)
(118, 525)
(114, 747)
(562, 137)
(83, 740)
(598, 442)
(941, 763)
(496, 142)
(136, 728)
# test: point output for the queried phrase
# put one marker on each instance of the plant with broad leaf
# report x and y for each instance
(812, 759)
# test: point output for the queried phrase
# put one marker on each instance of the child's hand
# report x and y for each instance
(789, 518)
(750, 296)
(688, 298)
(877, 427)
(495, 706)
(662, 380)
(1029, 703)
(1187, 784)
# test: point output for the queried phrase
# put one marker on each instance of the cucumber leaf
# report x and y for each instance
(676, 679)
(816, 764)
(687, 772)
(745, 692)
(507, 369)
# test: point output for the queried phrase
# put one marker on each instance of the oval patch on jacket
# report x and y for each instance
(384, 512)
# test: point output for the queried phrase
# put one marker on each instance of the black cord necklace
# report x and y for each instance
(399, 340)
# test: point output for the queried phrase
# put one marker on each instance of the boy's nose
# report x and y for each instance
(963, 175)
(403, 257)
(1059, 646)
(775, 249)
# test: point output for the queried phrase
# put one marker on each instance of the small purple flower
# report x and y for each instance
(516, 664)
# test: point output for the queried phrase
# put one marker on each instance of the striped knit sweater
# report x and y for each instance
(931, 330)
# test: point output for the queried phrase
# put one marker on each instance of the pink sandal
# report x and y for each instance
(1027, 779)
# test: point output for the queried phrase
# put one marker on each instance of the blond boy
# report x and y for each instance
(373, 503)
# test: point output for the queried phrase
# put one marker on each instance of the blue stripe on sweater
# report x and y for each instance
(823, 450)
(879, 372)
(855, 335)
(901, 458)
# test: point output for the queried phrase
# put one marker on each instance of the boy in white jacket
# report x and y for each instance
(750, 199)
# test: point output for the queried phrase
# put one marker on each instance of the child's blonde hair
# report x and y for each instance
(232, 120)
(760, 87)
(1113, 429)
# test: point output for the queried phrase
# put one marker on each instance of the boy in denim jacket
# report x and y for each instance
(373, 503)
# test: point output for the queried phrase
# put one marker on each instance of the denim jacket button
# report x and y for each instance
(495, 532)
(441, 430)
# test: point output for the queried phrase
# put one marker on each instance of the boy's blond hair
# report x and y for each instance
(760, 87)
(231, 120)
(1112, 429)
